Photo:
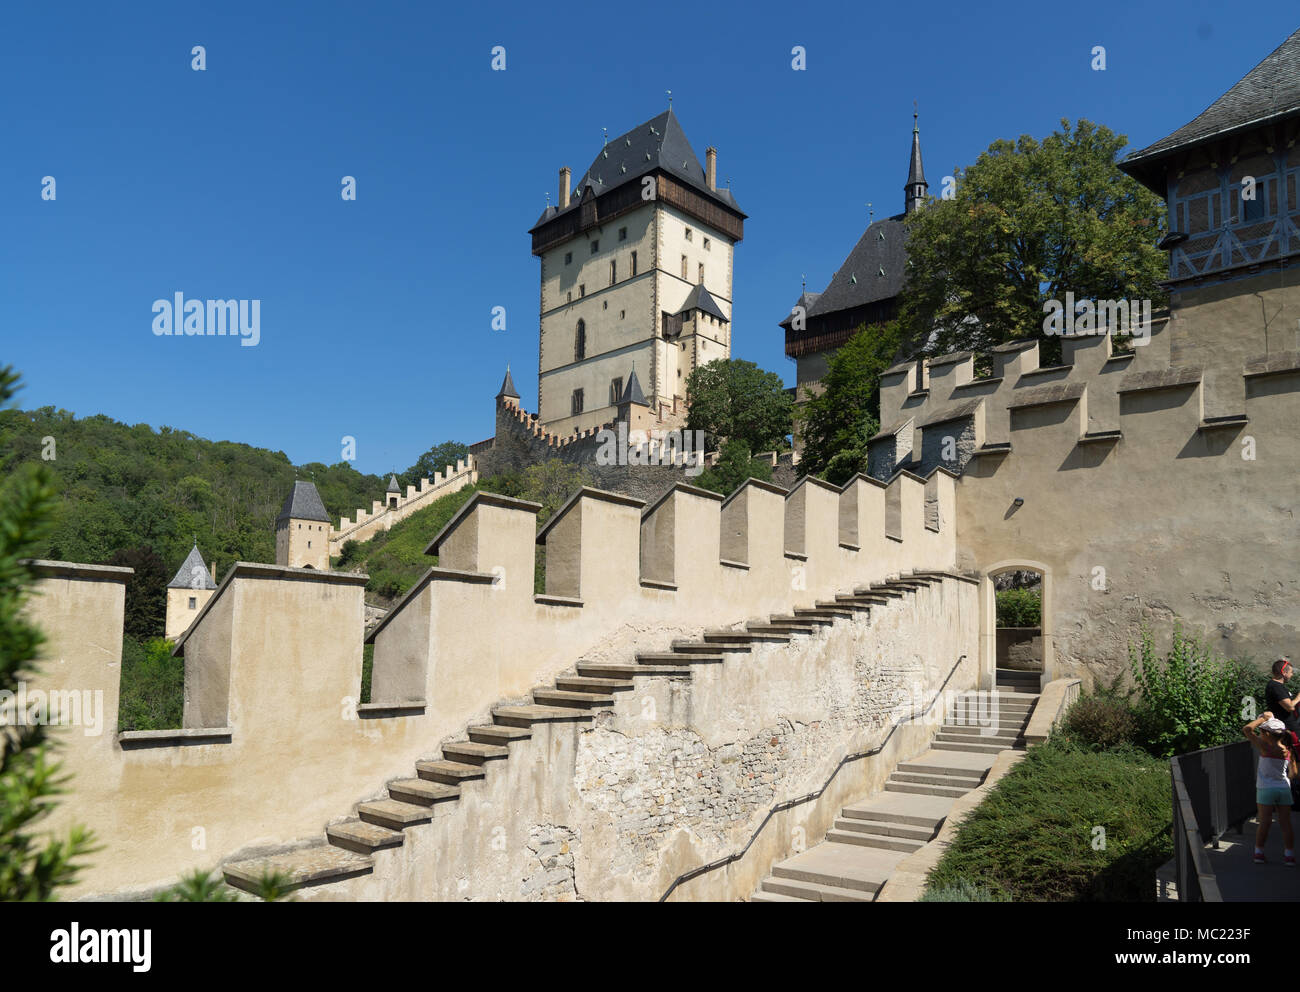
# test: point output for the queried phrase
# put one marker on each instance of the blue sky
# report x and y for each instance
(375, 314)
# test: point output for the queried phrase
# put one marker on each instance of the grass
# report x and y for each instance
(1066, 825)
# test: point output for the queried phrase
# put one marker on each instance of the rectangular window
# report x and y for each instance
(194, 602)
(688, 234)
(577, 402)
(701, 271)
(582, 290)
(633, 263)
(595, 247)
(1256, 209)
(568, 257)
(622, 234)
(613, 271)
(706, 244)
(615, 390)
(570, 296)
(684, 268)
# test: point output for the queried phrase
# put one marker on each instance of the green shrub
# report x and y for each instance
(1035, 836)
(1099, 723)
(1189, 700)
(1020, 607)
(152, 686)
(963, 890)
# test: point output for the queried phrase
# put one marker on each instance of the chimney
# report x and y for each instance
(711, 166)
(564, 187)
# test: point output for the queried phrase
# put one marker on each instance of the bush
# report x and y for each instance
(1099, 723)
(1035, 836)
(152, 686)
(1020, 607)
(1189, 700)
(963, 890)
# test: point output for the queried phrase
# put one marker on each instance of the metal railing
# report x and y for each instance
(1213, 791)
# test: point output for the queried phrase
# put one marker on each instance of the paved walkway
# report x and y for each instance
(1241, 880)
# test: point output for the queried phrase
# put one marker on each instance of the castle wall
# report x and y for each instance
(381, 517)
(275, 746)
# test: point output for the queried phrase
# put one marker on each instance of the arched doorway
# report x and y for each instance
(989, 621)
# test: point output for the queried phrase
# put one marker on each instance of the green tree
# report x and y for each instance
(1030, 221)
(146, 593)
(735, 465)
(436, 459)
(837, 423)
(29, 780)
(733, 399)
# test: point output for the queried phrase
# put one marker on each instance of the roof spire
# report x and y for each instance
(670, 99)
(914, 190)
(508, 386)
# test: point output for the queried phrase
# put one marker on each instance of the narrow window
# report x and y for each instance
(688, 234)
(580, 342)
(194, 602)
(684, 268)
(582, 290)
(706, 244)
(701, 272)
(613, 271)
(633, 263)
(577, 402)
(595, 247)
(568, 257)
(615, 390)
(622, 234)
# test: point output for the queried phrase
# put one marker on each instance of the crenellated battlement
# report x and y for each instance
(381, 516)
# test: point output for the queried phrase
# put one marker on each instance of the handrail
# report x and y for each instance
(1207, 886)
(791, 803)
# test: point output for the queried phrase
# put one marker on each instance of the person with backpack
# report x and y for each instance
(1277, 766)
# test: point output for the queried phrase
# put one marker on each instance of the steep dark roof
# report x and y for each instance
(806, 300)
(632, 391)
(508, 386)
(303, 504)
(186, 575)
(881, 249)
(700, 299)
(393, 487)
(1268, 91)
(659, 143)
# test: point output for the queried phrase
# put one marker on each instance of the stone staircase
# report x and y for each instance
(870, 838)
(348, 846)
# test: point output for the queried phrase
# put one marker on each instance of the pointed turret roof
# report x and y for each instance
(303, 503)
(193, 573)
(508, 387)
(632, 391)
(701, 299)
(915, 170)
(1269, 91)
(659, 143)
(393, 487)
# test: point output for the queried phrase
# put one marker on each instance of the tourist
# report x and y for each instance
(1272, 782)
(1278, 700)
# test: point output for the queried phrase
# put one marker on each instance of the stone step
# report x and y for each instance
(625, 670)
(884, 828)
(917, 778)
(743, 635)
(425, 792)
(830, 612)
(980, 733)
(897, 807)
(955, 768)
(926, 790)
(592, 684)
(494, 733)
(361, 837)
(847, 605)
(880, 841)
(885, 591)
(786, 628)
(578, 700)
(448, 772)
(844, 866)
(796, 890)
(1016, 690)
(525, 715)
(306, 866)
(785, 620)
(973, 748)
(1016, 673)
(710, 647)
(761, 896)
(474, 752)
(677, 658)
(1000, 739)
(394, 814)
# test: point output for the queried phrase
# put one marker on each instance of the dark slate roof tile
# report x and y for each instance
(192, 574)
(303, 503)
(882, 247)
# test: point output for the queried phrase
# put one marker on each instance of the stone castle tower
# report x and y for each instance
(187, 593)
(302, 530)
(636, 272)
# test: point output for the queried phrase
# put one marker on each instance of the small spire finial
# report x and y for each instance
(670, 99)
(916, 129)
(803, 281)
(870, 213)
(605, 133)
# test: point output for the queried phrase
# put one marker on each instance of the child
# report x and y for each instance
(1272, 786)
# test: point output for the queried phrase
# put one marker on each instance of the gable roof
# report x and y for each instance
(701, 299)
(193, 573)
(659, 143)
(1270, 90)
(303, 503)
(875, 269)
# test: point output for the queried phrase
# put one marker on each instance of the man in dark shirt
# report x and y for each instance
(1278, 700)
